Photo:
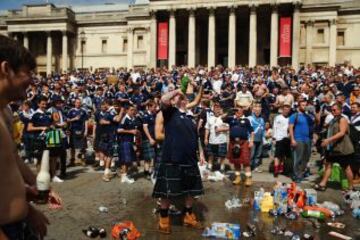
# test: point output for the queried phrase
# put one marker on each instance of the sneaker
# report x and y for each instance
(26, 161)
(125, 179)
(106, 178)
(56, 179)
(258, 170)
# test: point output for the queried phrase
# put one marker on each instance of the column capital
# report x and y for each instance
(297, 4)
(232, 8)
(333, 22)
(130, 29)
(310, 23)
(64, 32)
(274, 7)
(211, 10)
(172, 11)
(253, 7)
(191, 11)
(152, 13)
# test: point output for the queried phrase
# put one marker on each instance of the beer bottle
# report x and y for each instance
(43, 178)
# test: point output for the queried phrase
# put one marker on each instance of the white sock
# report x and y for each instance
(237, 173)
(102, 163)
(247, 174)
(222, 167)
(107, 171)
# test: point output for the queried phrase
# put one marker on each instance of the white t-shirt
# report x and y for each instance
(215, 138)
(280, 127)
(217, 85)
(244, 99)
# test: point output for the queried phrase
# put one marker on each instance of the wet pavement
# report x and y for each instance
(85, 192)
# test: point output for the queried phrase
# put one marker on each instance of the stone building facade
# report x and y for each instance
(206, 32)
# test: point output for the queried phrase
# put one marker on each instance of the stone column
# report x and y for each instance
(26, 40)
(332, 42)
(211, 38)
(232, 38)
(130, 40)
(274, 42)
(49, 53)
(191, 40)
(309, 35)
(153, 40)
(252, 37)
(64, 51)
(172, 39)
(296, 37)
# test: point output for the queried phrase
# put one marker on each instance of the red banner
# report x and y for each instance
(285, 37)
(163, 41)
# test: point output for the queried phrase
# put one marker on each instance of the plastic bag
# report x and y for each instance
(125, 230)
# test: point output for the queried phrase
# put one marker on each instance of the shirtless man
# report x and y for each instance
(16, 64)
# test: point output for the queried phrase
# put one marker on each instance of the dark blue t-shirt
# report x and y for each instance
(239, 127)
(149, 119)
(41, 119)
(78, 125)
(127, 123)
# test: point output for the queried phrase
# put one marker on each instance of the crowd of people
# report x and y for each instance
(171, 120)
(241, 114)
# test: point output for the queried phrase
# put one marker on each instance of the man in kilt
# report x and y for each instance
(77, 117)
(148, 138)
(126, 138)
(107, 137)
(178, 174)
(99, 114)
(241, 142)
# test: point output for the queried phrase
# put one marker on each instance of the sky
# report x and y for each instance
(16, 4)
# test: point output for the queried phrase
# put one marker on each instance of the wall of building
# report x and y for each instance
(350, 51)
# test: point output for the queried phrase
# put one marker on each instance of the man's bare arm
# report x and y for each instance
(13, 206)
(166, 99)
(159, 127)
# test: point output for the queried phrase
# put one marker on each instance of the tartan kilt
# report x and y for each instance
(148, 151)
(77, 141)
(174, 181)
(106, 143)
(126, 153)
(217, 150)
(36, 145)
(245, 153)
(96, 140)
